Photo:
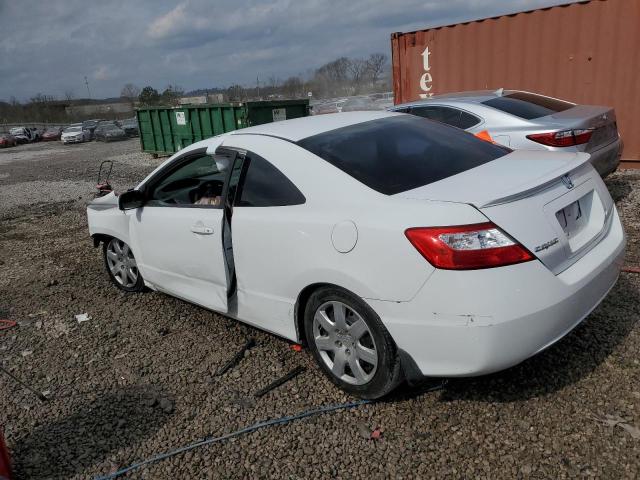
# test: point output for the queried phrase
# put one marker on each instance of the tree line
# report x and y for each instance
(340, 77)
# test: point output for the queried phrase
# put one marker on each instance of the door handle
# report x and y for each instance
(201, 230)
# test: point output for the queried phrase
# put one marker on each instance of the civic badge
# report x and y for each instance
(566, 180)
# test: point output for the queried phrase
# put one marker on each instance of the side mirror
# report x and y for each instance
(131, 199)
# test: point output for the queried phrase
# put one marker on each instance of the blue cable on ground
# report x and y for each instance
(252, 428)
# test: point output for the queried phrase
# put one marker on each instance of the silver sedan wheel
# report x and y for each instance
(345, 343)
(122, 263)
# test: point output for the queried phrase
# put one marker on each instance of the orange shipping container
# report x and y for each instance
(586, 52)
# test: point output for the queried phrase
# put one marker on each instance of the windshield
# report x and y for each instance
(396, 154)
(73, 130)
(16, 131)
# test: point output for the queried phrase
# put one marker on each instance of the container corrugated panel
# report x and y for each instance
(585, 52)
(165, 130)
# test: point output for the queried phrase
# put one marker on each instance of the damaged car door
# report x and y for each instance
(180, 230)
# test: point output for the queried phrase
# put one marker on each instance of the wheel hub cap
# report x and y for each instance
(345, 343)
(122, 263)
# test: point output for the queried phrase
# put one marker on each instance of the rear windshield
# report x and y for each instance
(396, 154)
(528, 105)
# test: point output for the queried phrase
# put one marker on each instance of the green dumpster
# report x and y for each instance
(165, 130)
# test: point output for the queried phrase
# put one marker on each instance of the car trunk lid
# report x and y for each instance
(554, 204)
(602, 120)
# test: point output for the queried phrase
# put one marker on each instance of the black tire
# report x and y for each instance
(138, 286)
(388, 371)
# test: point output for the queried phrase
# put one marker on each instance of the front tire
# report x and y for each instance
(350, 343)
(122, 266)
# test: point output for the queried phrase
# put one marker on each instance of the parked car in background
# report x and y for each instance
(104, 123)
(52, 133)
(130, 127)
(75, 134)
(7, 140)
(108, 131)
(331, 107)
(358, 104)
(25, 134)
(91, 125)
(468, 258)
(524, 120)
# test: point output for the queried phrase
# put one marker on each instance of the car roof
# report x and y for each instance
(299, 128)
(474, 96)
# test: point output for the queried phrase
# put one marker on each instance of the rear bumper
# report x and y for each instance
(478, 322)
(606, 159)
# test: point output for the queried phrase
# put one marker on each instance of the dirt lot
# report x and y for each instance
(138, 378)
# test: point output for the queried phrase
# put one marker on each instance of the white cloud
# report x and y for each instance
(169, 23)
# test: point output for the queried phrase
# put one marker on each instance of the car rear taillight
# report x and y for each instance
(467, 247)
(564, 138)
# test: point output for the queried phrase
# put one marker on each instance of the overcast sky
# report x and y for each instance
(50, 46)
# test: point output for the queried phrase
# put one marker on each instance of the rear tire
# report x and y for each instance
(122, 266)
(350, 343)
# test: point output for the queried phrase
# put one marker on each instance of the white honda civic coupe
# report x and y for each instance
(394, 246)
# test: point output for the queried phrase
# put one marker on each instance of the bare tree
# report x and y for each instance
(69, 95)
(376, 65)
(149, 96)
(39, 107)
(357, 69)
(336, 71)
(236, 93)
(171, 95)
(332, 78)
(292, 87)
(40, 98)
(131, 92)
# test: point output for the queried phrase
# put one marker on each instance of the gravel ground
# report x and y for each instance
(138, 378)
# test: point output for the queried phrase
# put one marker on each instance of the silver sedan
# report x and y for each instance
(528, 121)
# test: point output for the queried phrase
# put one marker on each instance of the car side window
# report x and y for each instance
(450, 116)
(197, 183)
(264, 185)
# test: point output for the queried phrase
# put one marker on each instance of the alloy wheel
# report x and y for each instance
(122, 263)
(345, 343)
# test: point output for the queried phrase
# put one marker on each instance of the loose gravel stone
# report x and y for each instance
(536, 420)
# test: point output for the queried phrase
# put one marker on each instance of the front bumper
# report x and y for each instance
(72, 140)
(468, 323)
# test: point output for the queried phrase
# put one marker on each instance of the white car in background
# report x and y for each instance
(25, 134)
(75, 134)
(394, 246)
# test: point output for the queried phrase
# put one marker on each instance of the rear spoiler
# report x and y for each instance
(516, 192)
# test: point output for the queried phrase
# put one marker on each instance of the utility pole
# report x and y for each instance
(86, 82)
(258, 85)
